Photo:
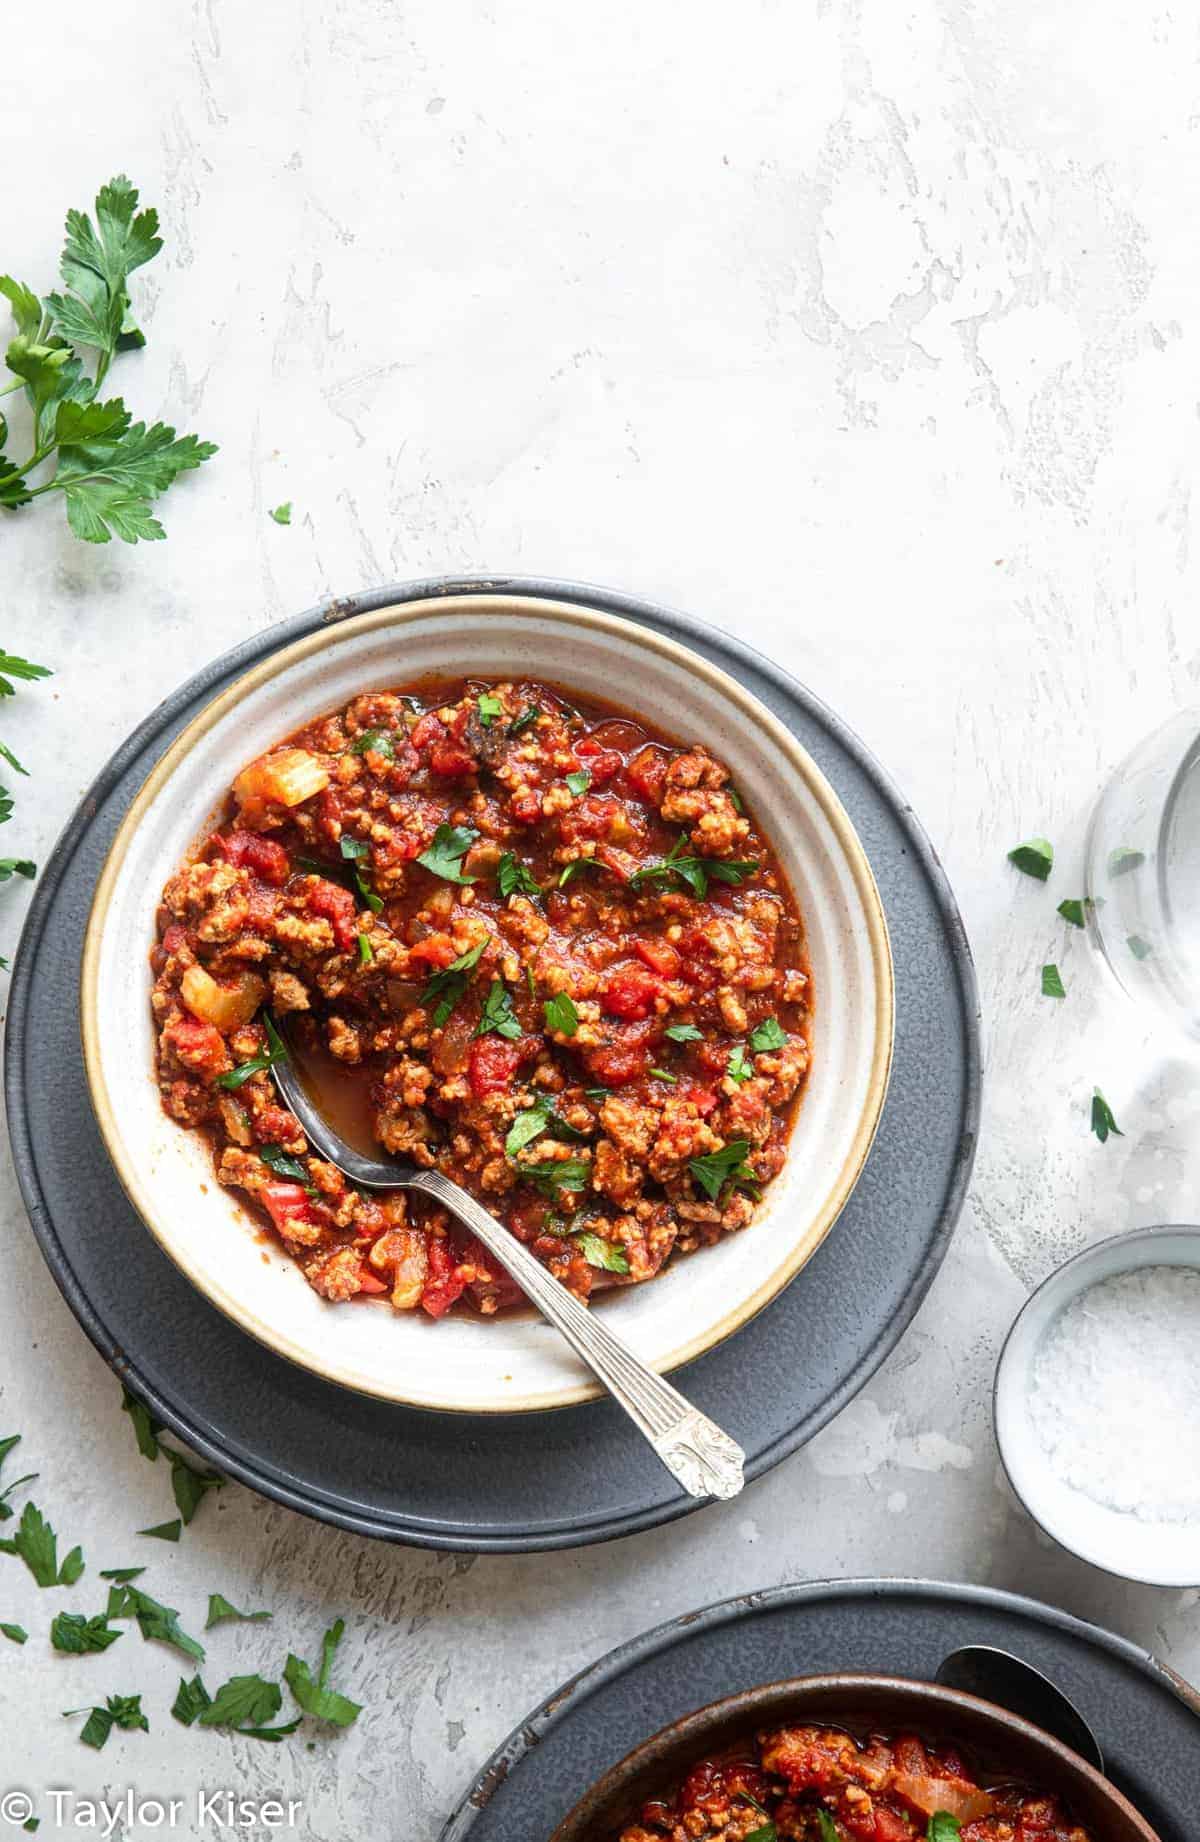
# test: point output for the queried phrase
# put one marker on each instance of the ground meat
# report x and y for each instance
(465, 904)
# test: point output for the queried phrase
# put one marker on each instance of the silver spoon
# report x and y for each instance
(997, 1675)
(706, 1461)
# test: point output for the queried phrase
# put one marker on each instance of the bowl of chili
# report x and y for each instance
(852, 1758)
(521, 921)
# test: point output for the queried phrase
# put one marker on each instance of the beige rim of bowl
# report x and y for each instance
(572, 615)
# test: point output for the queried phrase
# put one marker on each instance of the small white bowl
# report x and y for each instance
(514, 1364)
(1151, 1553)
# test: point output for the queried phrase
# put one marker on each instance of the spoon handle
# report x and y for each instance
(705, 1460)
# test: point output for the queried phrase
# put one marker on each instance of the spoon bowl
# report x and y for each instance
(997, 1676)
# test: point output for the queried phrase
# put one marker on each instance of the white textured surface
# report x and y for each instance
(868, 332)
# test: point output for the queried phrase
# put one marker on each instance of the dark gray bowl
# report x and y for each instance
(1004, 1746)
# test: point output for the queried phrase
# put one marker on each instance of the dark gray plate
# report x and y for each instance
(1151, 1741)
(520, 1482)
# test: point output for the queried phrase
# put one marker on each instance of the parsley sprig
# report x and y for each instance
(448, 985)
(724, 1170)
(108, 467)
(679, 865)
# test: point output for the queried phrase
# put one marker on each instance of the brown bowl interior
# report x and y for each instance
(1000, 1744)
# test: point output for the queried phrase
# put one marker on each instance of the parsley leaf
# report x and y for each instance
(1034, 858)
(718, 1168)
(515, 879)
(942, 1828)
(190, 1701)
(373, 742)
(16, 866)
(1103, 1122)
(316, 1697)
(528, 1125)
(1052, 985)
(16, 1634)
(276, 1051)
(489, 709)
(6, 1446)
(78, 1636)
(246, 1704)
(694, 872)
(521, 723)
(353, 849)
(121, 1575)
(37, 1545)
(562, 1018)
(279, 1161)
(157, 1623)
(449, 984)
(13, 666)
(1123, 859)
(366, 952)
(739, 1068)
(445, 855)
(220, 1611)
(575, 868)
(123, 1711)
(1072, 911)
(1141, 949)
(165, 1531)
(768, 1035)
(497, 1016)
(190, 1486)
(145, 1428)
(664, 1074)
(601, 1253)
(282, 514)
(829, 1829)
(684, 1033)
(767, 1832)
(568, 1174)
(579, 782)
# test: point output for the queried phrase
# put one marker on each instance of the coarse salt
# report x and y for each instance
(1115, 1393)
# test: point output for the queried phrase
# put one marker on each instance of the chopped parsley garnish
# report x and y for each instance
(121, 1574)
(1122, 860)
(1033, 858)
(6, 1446)
(739, 1067)
(123, 1711)
(528, 1125)
(445, 855)
(727, 1167)
(1103, 1122)
(278, 1160)
(1052, 985)
(37, 1545)
(246, 1705)
(664, 1074)
(767, 1036)
(515, 879)
(684, 1033)
(1072, 911)
(575, 868)
(1141, 949)
(78, 1636)
(190, 1701)
(282, 514)
(601, 1253)
(374, 742)
(366, 951)
(521, 723)
(568, 1174)
(275, 1051)
(489, 709)
(579, 782)
(562, 1018)
(190, 1486)
(694, 872)
(315, 1696)
(767, 1832)
(220, 1612)
(16, 1634)
(145, 1428)
(165, 1531)
(354, 850)
(157, 1623)
(497, 1017)
(942, 1828)
(448, 985)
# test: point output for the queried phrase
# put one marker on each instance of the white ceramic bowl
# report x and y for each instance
(513, 1364)
(1152, 1553)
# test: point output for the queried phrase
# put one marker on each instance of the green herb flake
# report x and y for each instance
(528, 1125)
(1072, 911)
(37, 1545)
(739, 1067)
(497, 1017)
(282, 514)
(562, 1018)
(220, 1612)
(145, 1428)
(1103, 1122)
(1052, 985)
(684, 1033)
(16, 1634)
(664, 1074)
(521, 723)
(598, 1252)
(123, 1711)
(6, 1446)
(374, 742)
(1123, 860)
(489, 708)
(276, 1051)
(314, 1695)
(283, 1164)
(190, 1701)
(448, 985)
(727, 1166)
(579, 782)
(942, 1828)
(121, 1575)
(157, 1623)
(515, 879)
(245, 1705)
(354, 850)
(768, 1037)
(575, 868)
(569, 1175)
(767, 1832)
(444, 857)
(679, 865)
(165, 1531)
(366, 951)
(1141, 949)
(190, 1487)
(1033, 858)
(74, 1635)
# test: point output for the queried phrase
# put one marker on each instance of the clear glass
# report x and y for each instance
(1142, 875)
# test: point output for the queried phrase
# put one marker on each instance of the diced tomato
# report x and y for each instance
(647, 773)
(199, 1046)
(428, 730)
(696, 960)
(491, 1064)
(594, 816)
(329, 814)
(890, 1827)
(626, 1058)
(499, 1288)
(702, 1098)
(339, 908)
(174, 937)
(249, 850)
(446, 1281)
(369, 1283)
(435, 950)
(659, 955)
(447, 753)
(526, 808)
(630, 990)
(451, 760)
(286, 1202)
(620, 864)
(601, 763)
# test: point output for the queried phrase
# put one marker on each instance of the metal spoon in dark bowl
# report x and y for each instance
(998, 1676)
(703, 1459)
